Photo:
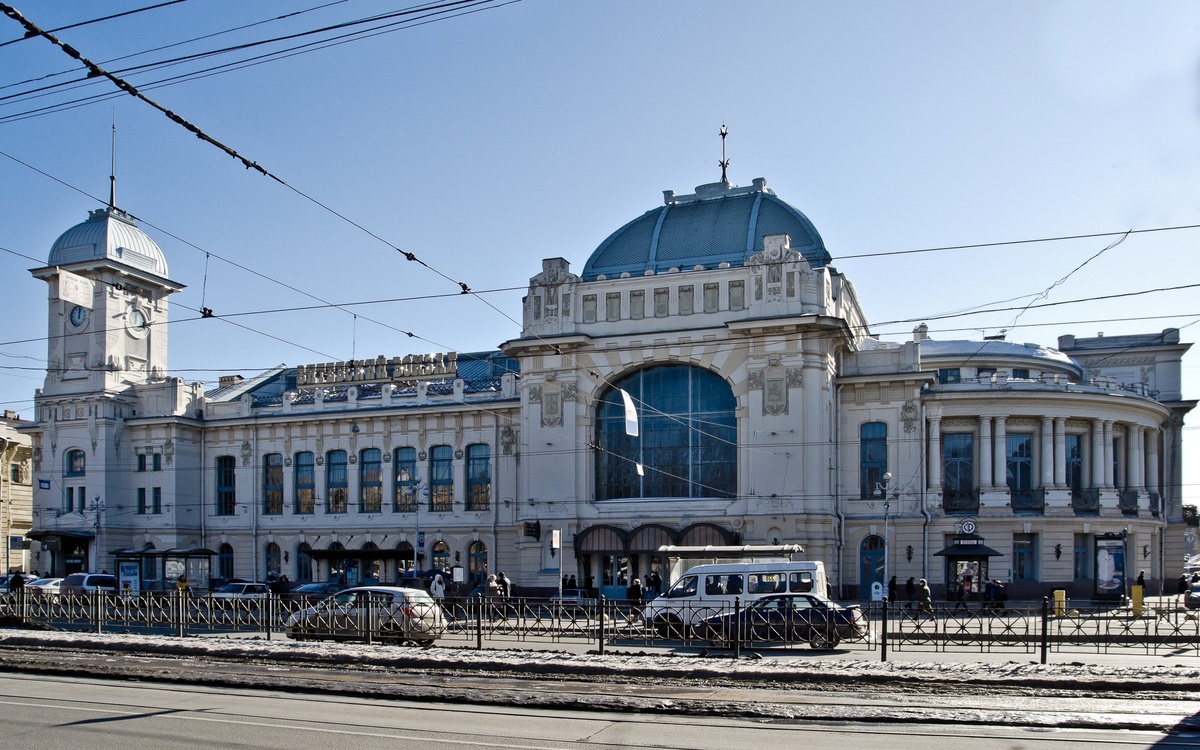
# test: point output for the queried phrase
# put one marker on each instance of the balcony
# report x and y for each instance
(960, 501)
(1028, 501)
(1085, 502)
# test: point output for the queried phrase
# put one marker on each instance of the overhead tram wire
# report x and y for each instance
(98, 20)
(420, 15)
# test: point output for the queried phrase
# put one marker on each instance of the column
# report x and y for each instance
(1152, 460)
(985, 451)
(1000, 462)
(1060, 451)
(1136, 461)
(934, 469)
(1098, 454)
(1107, 455)
(1047, 452)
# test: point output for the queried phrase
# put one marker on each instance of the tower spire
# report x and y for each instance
(724, 163)
(112, 171)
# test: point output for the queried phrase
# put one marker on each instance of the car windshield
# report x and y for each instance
(232, 588)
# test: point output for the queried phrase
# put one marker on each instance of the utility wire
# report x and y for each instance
(98, 20)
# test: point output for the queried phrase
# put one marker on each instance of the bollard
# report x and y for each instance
(270, 614)
(478, 623)
(1045, 627)
(883, 632)
(737, 627)
(600, 604)
(180, 600)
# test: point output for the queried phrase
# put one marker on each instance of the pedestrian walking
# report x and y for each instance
(504, 584)
(892, 589)
(437, 589)
(924, 597)
(1141, 581)
(910, 587)
(181, 584)
(635, 594)
(1183, 586)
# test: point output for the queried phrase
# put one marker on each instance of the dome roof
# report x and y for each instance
(108, 234)
(983, 352)
(719, 223)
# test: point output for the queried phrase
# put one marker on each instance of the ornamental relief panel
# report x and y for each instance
(908, 416)
(960, 423)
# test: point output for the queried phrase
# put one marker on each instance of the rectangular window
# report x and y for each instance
(479, 477)
(949, 375)
(637, 304)
(141, 501)
(712, 297)
(589, 308)
(1074, 451)
(687, 297)
(612, 306)
(156, 462)
(370, 481)
(441, 478)
(156, 500)
(662, 299)
(958, 463)
(405, 462)
(141, 462)
(872, 458)
(1020, 468)
(1020, 374)
(1083, 557)
(273, 484)
(1024, 558)
(14, 473)
(306, 484)
(226, 485)
(337, 486)
(727, 584)
(737, 295)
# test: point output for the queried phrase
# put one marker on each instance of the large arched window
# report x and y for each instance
(304, 570)
(225, 561)
(687, 437)
(271, 558)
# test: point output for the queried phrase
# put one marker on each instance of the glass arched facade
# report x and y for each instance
(687, 437)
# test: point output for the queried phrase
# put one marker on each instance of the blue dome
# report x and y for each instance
(718, 224)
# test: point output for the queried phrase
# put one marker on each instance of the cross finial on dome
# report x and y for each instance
(724, 163)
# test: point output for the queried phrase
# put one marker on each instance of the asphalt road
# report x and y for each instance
(56, 713)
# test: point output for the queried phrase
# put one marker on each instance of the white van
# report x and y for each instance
(706, 590)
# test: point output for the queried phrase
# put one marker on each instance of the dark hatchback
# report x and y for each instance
(787, 618)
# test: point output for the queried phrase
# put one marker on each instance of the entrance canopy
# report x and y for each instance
(968, 545)
(360, 554)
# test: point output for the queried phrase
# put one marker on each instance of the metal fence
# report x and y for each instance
(1019, 627)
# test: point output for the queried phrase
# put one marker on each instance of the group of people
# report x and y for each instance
(279, 584)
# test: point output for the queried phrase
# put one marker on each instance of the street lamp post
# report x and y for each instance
(887, 506)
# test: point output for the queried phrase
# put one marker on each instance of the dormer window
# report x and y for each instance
(948, 375)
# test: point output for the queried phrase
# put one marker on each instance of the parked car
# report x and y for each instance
(242, 591)
(389, 613)
(85, 583)
(5, 578)
(786, 618)
(1191, 600)
(47, 587)
(314, 592)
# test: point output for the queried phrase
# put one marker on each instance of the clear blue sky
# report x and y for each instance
(486, 142)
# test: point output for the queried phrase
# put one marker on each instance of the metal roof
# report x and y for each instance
(109, 233)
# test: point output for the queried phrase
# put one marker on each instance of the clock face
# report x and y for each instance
(137, 320)
(78, 316)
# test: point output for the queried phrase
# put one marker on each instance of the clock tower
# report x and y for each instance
(107, 324)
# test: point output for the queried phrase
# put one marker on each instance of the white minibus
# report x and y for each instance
(706, 590)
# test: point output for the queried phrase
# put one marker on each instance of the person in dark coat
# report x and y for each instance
(635, 594)
(892, 589)
(910, 588)
(1183, 585)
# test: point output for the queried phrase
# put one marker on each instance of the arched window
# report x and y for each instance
(370, 481)
(273, 484)
(441, 478)
(272, 559)
(872, 458)
(306, 484)
(225, 561)
(74, 471)
(477, 561)
(304, 570)
(407, 559)
(687, 437)
(336, 482)
(479, 477)
(405, 463)
(441, 556)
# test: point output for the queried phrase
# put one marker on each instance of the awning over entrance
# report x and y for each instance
(968, 545)
(40, 535)
(131, 553)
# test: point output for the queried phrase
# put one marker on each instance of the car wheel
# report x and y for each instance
(718, 638)
(822, 641)
(424, 644)
(668, 627)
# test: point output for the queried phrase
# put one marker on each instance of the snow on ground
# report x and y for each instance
(1115, 673)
